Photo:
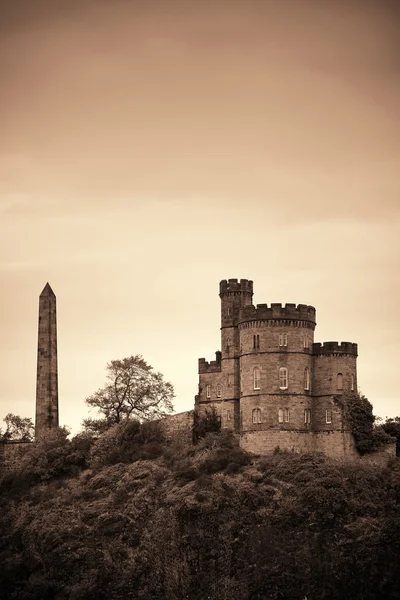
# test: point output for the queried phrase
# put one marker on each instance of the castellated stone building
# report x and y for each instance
(271, 383)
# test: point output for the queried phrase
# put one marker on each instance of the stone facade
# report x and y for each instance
(47, 376)
(271, 383)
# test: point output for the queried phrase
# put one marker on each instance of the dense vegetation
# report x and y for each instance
(130, 516)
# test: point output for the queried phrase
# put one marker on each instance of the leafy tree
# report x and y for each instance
(367, 435)
(18, 428)
(392, 427)
(132, 391)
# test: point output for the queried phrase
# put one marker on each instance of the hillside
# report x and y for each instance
(209, 522)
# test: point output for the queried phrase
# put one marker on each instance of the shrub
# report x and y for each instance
(367, 437)
(209, 422)
(52, 455)
(127, 442)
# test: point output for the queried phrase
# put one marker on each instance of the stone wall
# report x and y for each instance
(11, 453)
(178, 428)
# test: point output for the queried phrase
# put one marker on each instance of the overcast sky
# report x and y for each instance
(150, 149)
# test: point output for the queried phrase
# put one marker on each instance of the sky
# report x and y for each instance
(149, 149)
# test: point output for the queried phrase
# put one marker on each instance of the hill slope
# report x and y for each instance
(212, 522)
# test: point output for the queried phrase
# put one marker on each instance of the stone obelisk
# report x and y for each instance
(47, 376)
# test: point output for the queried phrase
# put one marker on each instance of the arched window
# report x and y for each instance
(307, 416)
(283, 378)
(219, 390)
(339, 381)
(257, 415)
(256, 378)
(352, 383)
(307, 379)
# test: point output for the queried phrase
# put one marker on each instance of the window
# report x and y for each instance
(256, 342)
(307, 416)
(228, 343)
(283, 339)
(283, 415)
(230, 379)
(256, 378)
(208, 390)
(228, 311)
(328, 416)
(339, 384)
(257, 415)
(228, 415)
(283, 378)
(307, 378)
(218, 390)
(352, 383)
(305, 341)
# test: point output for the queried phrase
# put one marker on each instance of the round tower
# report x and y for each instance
(275, 374)
(334, 373)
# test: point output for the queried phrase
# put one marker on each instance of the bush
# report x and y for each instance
(209, 422)
(367, 437)
(128, 442)
(52, 456)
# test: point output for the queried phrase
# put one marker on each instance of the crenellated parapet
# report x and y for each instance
(335, 348)
(278, 312)
(229, 286)
(214, 366)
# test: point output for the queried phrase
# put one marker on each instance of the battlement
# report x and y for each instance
(235, 285)
(335, 348)
(262, 312)
(214, 366)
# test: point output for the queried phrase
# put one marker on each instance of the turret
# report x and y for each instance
(235, 295)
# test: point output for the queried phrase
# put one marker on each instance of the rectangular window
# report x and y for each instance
(328, 416)
(228, 415)
(280, 415)
(256, 378)
(218, 390)
(208, 390)
(305, 342)
(339, 381)
(307, 379)
(307, 416)
(352, 383)
(287, 415)
(256, 415)
(283, 339)
(283, 378)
